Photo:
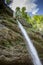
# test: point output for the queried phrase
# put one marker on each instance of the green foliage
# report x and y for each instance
(18, 9)
(23, 9)
(7, 1)
(21, 13)
(24, 13)
(17, 12)
(36, 21)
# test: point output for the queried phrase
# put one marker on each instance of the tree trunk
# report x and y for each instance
(5, 9)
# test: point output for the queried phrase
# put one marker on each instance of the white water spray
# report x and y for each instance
(30, 46)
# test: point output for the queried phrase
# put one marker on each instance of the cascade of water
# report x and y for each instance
(30, 46)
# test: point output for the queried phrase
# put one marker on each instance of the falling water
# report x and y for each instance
(30, 46)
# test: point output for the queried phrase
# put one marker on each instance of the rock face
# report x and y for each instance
(12, 44)
(5, 9)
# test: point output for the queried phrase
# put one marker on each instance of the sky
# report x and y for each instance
(32, 6)
(40, 6)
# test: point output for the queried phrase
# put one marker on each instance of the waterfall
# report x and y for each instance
(30, 47)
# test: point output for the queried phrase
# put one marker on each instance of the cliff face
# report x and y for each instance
(12, 44)
(5, 9)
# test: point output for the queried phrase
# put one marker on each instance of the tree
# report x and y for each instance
(17, 8)
(17, 12)
(24, 13)
(23, 9)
